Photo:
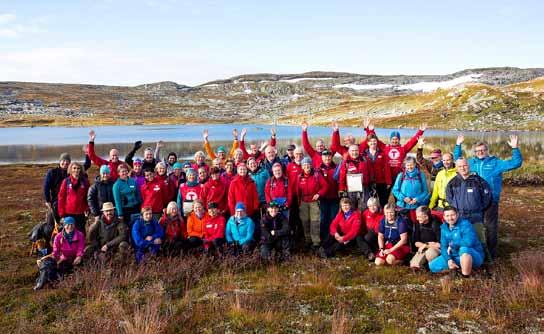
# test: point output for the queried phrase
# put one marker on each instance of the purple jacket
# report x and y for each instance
(62, 250)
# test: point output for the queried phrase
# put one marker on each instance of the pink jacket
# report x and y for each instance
(62, 250)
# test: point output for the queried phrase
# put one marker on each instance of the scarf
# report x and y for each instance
(348, 214)
(75, 182)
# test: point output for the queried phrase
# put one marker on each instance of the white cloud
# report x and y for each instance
(9, 28)
(7, 18)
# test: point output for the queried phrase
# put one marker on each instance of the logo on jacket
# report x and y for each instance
(394, 153)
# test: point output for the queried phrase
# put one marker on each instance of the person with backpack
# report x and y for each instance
(51, 187)
(147, 235)
(392, 237)
(410, 189)
(310, 186)
(100, 192)
(460, 247)
(328, 204)
(491, 168)
(438, 201)
(425, 240)
(68, 246)
(275, 233)
(277, 189)
(471, 195)
(73, 196)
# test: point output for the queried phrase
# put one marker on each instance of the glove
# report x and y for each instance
(137, 145)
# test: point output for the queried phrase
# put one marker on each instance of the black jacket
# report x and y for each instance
(99, 193)
(278, 224)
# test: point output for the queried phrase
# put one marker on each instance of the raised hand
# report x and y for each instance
(366, 123)
(460, 139)
(243, 134)
(423, 127)
(304, 126)
(205, 134)
(421, 142)
(92, 135)
(235, 133)
(273, 131)
(335, 126)
(160, 144)
(514, 141)
(264, 144)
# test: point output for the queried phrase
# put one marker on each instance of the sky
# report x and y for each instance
(192, 42)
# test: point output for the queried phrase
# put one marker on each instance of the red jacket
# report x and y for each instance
(195, 166)
(350, 166)
(395, 154)
(174, 228)
(309, 185)
(99, 162)
(336, 146)
(153, 195)
(227, 178)
(379, 171)
(372, 220)
(260, 155)
(71, 201)
(169, 187)
(214, 227)
(243, 189)
(328, 174)
(348, 228)
(215, 191)
(316, 156)
(278, 188)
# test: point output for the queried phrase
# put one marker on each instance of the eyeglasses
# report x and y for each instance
(480, 151)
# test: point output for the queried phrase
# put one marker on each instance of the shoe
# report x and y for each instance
(321, 252)
(371, 256)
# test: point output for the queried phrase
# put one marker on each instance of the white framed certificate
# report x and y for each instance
(355, 182)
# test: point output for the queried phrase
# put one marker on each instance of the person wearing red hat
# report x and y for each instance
(434, 164)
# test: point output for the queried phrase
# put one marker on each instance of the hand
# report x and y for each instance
(160, 144)
(335, 126)
(38, 262)
(514, 141)
(96, 219)
(235, 133)
(149, 238)
(388, 186)
(243, 134)
(48, 205)
(77, 261)
(85, 149)
(104, 248)
(205, 134)
(386, 251)
(263, 146)
(273, 232)
(340, 239)
(460, 139)
(413, 201)
(316, 197)
(92, 135)
(157, 241)
(337, 236)
(366, 123)
(423, 127)
(407, 200)
(273, 131)
(137, 145)
(452, 265)
(421, 142)
(304, 126)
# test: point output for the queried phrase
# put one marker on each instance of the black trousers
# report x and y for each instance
(331, 245)
(282, 245)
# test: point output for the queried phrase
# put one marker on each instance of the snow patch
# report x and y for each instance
(425, 86)
(364, 87)
(303, 79)
(248, 91)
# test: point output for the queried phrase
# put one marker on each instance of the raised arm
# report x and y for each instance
(94, 158)
(409, 145)
(305, 142)
(207, 146)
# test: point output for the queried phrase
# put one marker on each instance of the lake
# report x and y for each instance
(45, 144)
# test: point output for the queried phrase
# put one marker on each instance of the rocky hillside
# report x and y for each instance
(485, 98)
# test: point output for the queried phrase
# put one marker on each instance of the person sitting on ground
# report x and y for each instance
(68, 247)
(147, 234)
(275, 233)
(127, 196)
(100, 192)
(425, 239)
(372, 217)
(47, 265)
(214, 230)
(239, 231)
(460, 246)
(392, 237)
(107, 235)
(73, 196)
(345, 231)
(195, 224)
(175, 231)
(113, 161)
(189, 192)
(410, 189)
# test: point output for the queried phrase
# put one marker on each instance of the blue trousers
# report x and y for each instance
(140, 251)
(440, 263)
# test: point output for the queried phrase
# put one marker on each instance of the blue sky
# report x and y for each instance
(192, 42)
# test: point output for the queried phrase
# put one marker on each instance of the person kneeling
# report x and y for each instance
(175, 231)
(425, 238)
(392, 238)
(214, 230)
(344, 229)
(239, 232)
(107, 235)
(460, 246)
(68, 246)
(275, 233)
(147, 235)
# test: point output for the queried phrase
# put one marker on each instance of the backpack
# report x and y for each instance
(405, 178)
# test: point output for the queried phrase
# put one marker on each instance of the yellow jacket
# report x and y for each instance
(438, 197)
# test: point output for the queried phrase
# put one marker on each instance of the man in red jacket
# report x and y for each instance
(243, 189)
(379, 171)
(335, 141)
(153, 194)
(314, 154)
(310, 187)
(328, 204)
(354, 178)
(255, 151)
(114, 161)
(215, 191)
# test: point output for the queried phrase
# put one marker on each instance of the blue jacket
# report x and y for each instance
(126, 195)
(260, 178)
(242, 233)
(141, 230)
(461, 235)
(471, 196)
(491, 168)
(411, 184)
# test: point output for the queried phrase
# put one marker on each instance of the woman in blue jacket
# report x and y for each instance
(410, 188)
(459, 245)
(239, 231)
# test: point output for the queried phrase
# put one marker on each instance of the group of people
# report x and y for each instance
(444, 212)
